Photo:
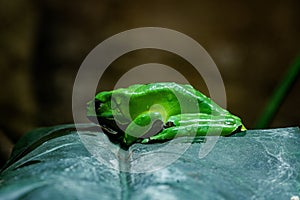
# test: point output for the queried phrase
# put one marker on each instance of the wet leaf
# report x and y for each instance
(64, 163)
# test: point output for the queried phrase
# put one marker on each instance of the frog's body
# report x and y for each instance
(158, 111)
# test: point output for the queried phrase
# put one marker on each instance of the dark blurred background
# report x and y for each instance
(43, 44)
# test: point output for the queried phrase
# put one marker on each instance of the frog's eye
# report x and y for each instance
(169, 124)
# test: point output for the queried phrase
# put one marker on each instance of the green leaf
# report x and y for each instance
(64, 163)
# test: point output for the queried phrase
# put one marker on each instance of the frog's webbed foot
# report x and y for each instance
(170, 133)
(143, 126)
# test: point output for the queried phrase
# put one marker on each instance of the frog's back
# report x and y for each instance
(150, 88)
(170, 95)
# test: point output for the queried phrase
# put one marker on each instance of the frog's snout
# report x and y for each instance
(92, 107)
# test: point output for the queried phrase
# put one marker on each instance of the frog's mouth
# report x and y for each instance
(109, 127)
(107, 122)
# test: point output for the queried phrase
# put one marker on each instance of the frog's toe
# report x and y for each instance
(160, 137)
(243, 128)
(145, 141)
(152, 139)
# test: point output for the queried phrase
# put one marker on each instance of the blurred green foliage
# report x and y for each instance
(44, 42)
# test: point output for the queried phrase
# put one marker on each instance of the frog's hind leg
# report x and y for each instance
(143, 126)
(194, 125)
(191, 131)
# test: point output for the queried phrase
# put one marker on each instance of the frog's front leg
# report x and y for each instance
(143, 126)
(197, 124)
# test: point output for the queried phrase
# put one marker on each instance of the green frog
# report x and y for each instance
(157, 112)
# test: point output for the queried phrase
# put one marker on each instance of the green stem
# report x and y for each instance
(279, 94)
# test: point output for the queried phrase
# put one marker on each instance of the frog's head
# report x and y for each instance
(100, 107)
(106, 109)
(99, 111)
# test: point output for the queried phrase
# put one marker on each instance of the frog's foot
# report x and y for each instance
(161, 137)
(170, 133)
(143, 126)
